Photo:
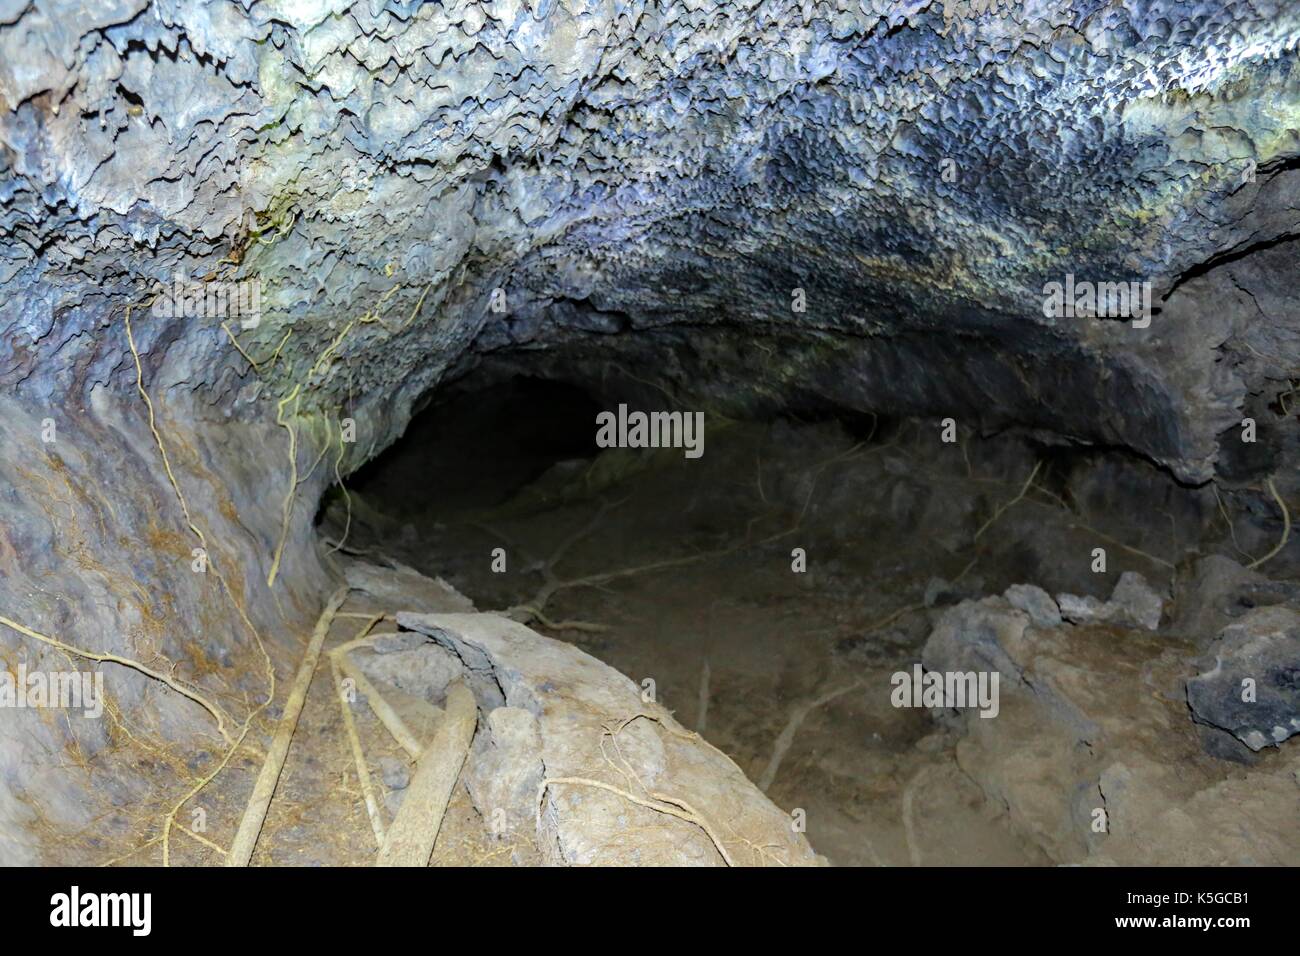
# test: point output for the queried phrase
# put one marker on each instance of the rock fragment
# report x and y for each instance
(506, 770)
(1035, 602)
(395, 773)
(1252, 690)
(1133, 603)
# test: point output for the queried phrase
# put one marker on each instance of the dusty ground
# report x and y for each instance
(679, 573)
(317, 817)
(682, 575)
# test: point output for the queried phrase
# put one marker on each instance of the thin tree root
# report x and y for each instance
(415, 828)
(786, 738)
(213, 565)
(170, 820)
(347, 496)
(909, 828)
(382, 709)
(269, 360)
(241, 850)
(1002, 509)
(358, 756)
(1286, 526)
(202, 839)
(286, 507)
(528, 613)
(134, 665)
(1227, 520)
(657, 802)
(350, 726)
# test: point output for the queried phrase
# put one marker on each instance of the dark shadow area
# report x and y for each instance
(786, 575)
(473, 448)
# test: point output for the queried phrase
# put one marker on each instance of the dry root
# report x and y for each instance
(657, 802)
(1286, 526)
(217, 714)
(241, 850)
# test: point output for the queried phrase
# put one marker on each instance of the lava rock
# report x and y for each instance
(1223, 591)
(1253, 688)
(395, 773)
(1081, 610)
(506, 769)
(573, 715)
(938, 591)
(1035, 602)
(423, 671)
(1136, 602)
(1133, 603)
(392, 643)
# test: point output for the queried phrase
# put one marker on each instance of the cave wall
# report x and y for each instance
(413, 186)
(97, 553)
(919, 170)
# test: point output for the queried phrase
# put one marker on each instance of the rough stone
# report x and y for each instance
(578, 704)
(393, 643)
(1136, 602)
(422, 671)
(506, 770)
(415, 190)
(1133, 603)
(1223, 591)
(1253, 689)
(1035, 602)
(673, 171)
(395, 773)
(1071, 741)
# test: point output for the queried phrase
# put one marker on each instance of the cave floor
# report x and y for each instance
(318, 815)
(679, 573)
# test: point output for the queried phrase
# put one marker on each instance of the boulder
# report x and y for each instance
(1035, 602)
(1253, 688)
(1133, 603)
(624, 783)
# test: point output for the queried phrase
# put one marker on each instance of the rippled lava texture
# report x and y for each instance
(919, 169)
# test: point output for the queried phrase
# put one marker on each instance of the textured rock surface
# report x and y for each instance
(1092, 752)
(95, 552)
(1253, 690)
(589, 723)
(421, 671)
(919, 170)
(1223, 591)
(587, 187)
(506, 770)
(1132, 603)
(1035, 602)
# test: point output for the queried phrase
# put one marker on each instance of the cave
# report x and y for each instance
(495, 434)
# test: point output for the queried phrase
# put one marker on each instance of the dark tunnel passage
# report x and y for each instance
(772, 591)
(650, 433)
(475, 447)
